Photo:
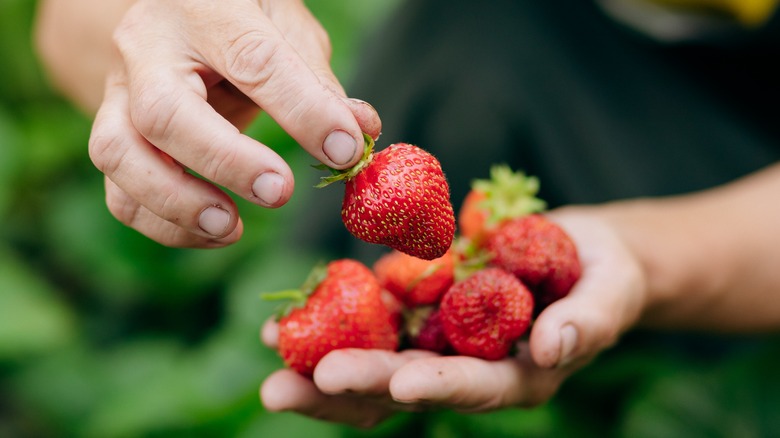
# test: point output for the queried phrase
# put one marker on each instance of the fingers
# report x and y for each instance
(603, 304)
(362, 387)
(201, 140)
(286, 390)
(128, 211)
(469, 384)
(260, 61)
(349, 386)
(269, 333)
(193, 74)
(313, 44)
(182, 124)
(165, 197)
(363, 372)
(367, 117)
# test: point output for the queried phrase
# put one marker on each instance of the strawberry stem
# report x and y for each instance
(296, 295)
(347, 174)
(293, 298)
(472, 259)
(509, 194)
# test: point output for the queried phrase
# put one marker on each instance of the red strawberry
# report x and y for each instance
(342, 308)
(539, 253)
(398, 197)
(472, 216)
(486, 313)
(490, 202)
(412, 280)
(425, 330)
(395, 307)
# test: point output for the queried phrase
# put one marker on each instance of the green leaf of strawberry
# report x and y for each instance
(507, 194)
(294, 298)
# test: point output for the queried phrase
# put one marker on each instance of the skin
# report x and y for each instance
(176, 97)
(182, 79)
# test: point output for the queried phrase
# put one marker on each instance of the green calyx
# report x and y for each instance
(295, 298)
(471, 258)
(509, 194)
(347, 174)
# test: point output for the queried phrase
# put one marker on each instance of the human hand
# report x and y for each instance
(186, 78)
(363, 387)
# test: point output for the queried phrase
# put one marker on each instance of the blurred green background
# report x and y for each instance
(104, 333)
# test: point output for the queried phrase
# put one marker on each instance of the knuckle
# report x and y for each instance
(125, 34)
(107, 151)
(252, 58)
(153, 110)
(169, 206)
(220, 162)
(122, 207)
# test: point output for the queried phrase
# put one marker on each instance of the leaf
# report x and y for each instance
(33, 318)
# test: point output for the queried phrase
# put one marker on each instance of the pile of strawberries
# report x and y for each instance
(473, 294)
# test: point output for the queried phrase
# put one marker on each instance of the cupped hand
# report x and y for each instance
(186, 78)
(363, 387)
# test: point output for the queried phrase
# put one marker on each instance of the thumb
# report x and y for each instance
(605, 302)
(271, 67)
(314, 47)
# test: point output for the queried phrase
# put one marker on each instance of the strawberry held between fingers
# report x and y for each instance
(339, 306)
(398, 197)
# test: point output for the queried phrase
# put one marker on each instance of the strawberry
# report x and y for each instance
(415, 281)
(490, 202)
(339, 306)
(486, 313)
(425, 330)
(539, 253)
(396, 309)
(398, 197)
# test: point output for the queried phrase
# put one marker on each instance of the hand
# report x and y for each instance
(188, 76)
(363, 387)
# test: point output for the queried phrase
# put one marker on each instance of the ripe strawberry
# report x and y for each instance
(425, 331)
(342, 307)
(490, 202)
(486, 313)
(396, 309)
(539, 253)
(398, 197)
(415, 281)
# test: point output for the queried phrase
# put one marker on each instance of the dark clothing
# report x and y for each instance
(562, 91)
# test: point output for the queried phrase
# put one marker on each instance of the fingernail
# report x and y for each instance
(340, 147)
(368, 117)
(268, 187)
(568, 343)
(362, 102)
(214, 221)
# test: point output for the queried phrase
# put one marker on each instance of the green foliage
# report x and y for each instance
(104, 333)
